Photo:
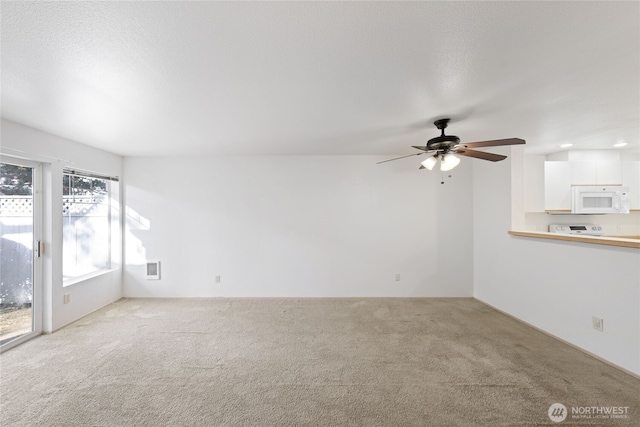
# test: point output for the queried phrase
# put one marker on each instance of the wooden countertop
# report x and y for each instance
(624, 241)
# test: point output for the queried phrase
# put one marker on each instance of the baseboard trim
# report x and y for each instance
(588, 353)
(80, 318)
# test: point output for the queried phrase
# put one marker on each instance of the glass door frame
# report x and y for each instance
(37, 251)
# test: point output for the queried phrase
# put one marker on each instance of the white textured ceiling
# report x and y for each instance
(168, 78)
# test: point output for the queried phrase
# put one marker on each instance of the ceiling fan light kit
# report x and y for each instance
(449, 161)
(444, 146)
(430, 162)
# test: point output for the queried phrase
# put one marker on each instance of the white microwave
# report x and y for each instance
(595, 199)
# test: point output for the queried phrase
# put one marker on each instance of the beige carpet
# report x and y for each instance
(304, 362)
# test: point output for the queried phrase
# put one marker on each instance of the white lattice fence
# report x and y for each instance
(83, 205)
(16, 206)
(74, 205)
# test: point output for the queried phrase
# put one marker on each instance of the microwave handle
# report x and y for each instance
(616, 202)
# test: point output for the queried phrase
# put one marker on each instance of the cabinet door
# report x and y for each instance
(583, 173)
(557, 186)
(631, 179)
(608, 173)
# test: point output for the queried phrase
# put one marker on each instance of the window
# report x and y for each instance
(87, 223)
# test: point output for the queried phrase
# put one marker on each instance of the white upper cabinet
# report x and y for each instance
(560, 176)
(631, 179)
(582, 173)
(608, 173)
(596, 173)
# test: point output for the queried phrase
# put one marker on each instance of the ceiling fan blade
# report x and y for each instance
(425, 148)
(398, 158)
(493, 143)
(480, 155)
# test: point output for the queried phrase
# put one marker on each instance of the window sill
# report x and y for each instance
(85, 277)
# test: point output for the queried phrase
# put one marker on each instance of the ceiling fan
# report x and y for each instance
(444, 146)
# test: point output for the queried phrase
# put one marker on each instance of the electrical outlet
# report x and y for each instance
(598, 324)
(67, 298)
(397, 277)
(218, 280)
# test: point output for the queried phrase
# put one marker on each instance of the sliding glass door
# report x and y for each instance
(20, 252)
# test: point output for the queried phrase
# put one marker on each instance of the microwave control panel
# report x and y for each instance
(584, 229)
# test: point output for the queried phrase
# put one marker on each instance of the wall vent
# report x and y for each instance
(153, 270)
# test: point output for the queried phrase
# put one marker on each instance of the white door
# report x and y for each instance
(20, 251)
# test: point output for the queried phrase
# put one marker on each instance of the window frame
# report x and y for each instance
(110, 183)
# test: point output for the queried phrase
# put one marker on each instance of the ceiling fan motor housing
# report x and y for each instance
(446, 144)
(443, 141)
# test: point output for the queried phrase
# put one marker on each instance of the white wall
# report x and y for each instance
(556, 286)
(296, 226)
(338, 226)
(55, 154)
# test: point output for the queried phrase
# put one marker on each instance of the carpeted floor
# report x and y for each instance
(304, 362)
